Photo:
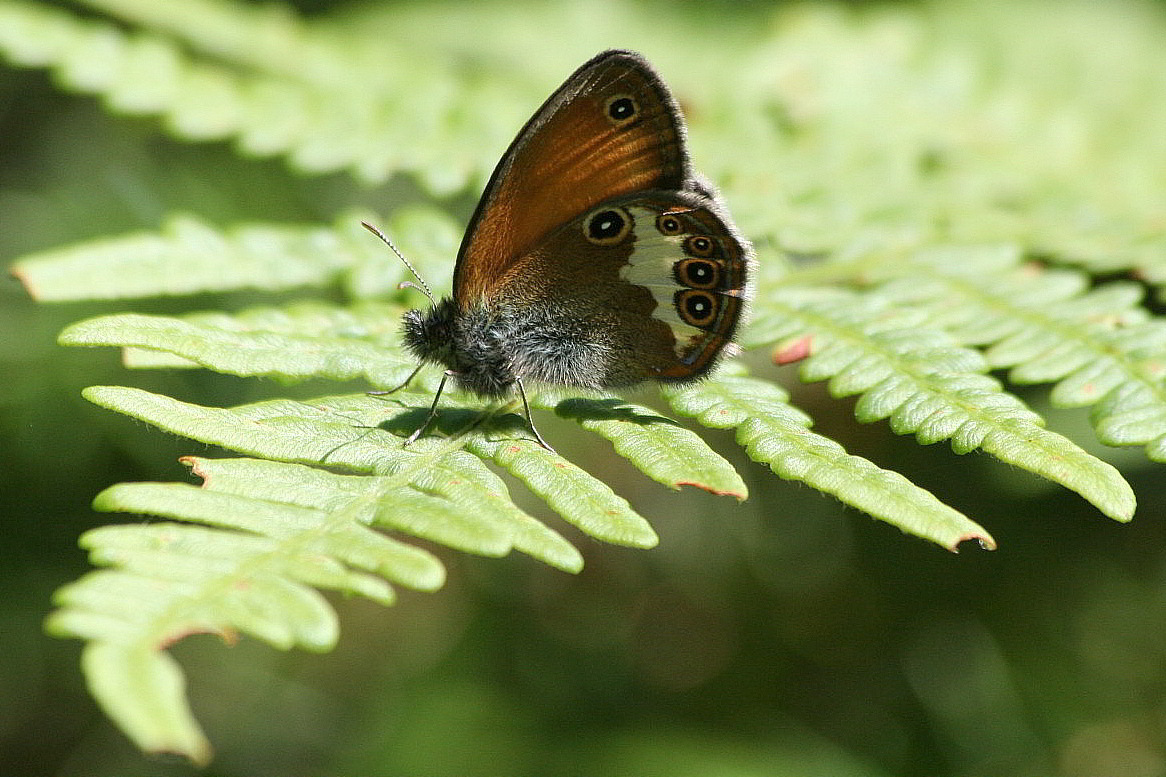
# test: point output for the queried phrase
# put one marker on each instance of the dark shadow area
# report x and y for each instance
(581, 409)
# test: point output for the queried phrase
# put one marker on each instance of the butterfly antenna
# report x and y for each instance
(423, 287)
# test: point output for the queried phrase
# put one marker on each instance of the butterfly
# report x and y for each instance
(596, 257)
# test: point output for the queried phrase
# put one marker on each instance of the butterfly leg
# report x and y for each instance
(529, 420)
(395, 389)
(432, 408)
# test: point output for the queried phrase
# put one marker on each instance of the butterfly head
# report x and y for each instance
(429, 334)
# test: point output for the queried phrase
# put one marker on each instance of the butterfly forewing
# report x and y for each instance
(611, 129)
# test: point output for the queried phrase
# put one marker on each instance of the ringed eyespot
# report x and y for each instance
(608, 226)
(698, 273)
(699, 245)
(620, 109)
(669, 225)
(698, 308)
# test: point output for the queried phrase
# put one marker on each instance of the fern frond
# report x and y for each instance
(1098, 346)
(777, 434)
(343, 432)
(270, 81)
(250, 566)
(925, 384)
(296, 343)
(143, 265)
(884, 344)
(1027, 152)
(268, 257)
(343, 345)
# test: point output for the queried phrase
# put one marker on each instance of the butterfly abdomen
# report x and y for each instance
(564, 349)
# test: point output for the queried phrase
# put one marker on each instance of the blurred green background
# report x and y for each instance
(782, 636)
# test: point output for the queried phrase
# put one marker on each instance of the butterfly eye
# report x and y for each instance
(669, 225)
(621, 109)
(697, 274)
(699, 245)
(698, 308)
(607, 227)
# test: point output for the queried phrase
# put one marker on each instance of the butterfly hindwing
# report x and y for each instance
(659, 280)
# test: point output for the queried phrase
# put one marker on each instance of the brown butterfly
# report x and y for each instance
(596, 256)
